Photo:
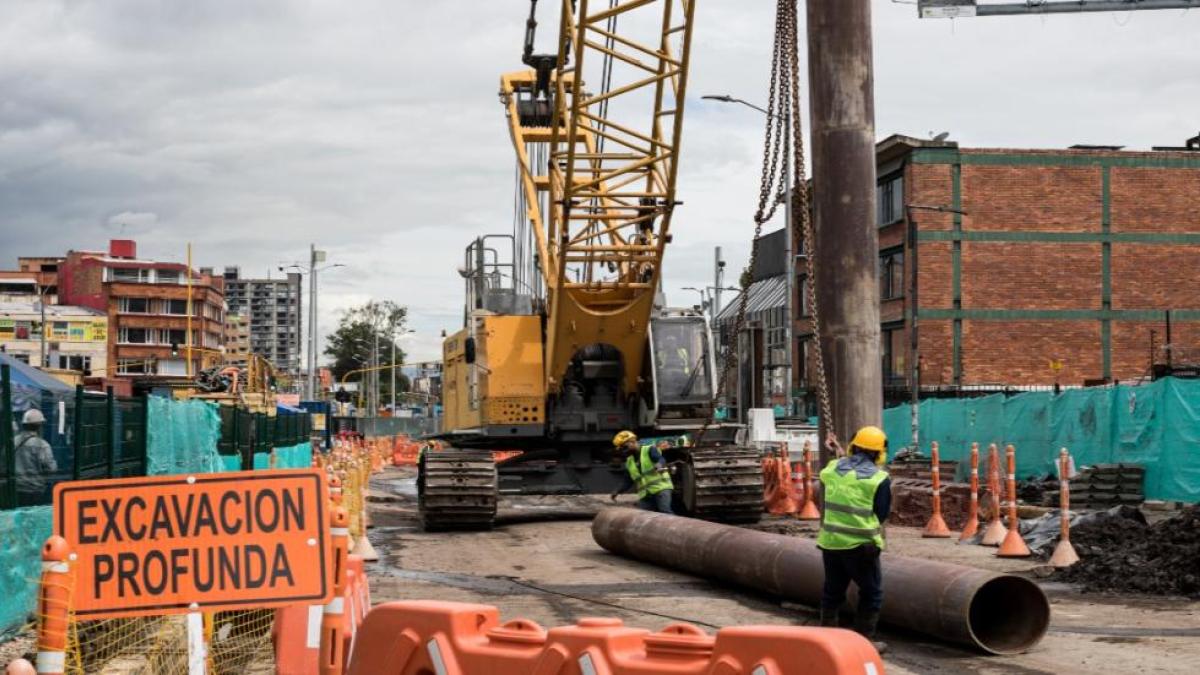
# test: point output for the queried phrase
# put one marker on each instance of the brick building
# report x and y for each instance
(1063, 267)
(146, 303)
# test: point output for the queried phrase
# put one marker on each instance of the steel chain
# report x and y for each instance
(783, 102)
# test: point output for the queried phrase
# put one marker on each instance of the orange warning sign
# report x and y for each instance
(213, 542)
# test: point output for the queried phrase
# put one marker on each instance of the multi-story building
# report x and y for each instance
(147, 307)
(76, 338)
(237, 339)
(1046, 267)
(272, 307)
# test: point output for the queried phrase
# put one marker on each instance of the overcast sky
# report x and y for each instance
(371, 127)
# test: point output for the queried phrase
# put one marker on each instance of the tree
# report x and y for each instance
(353, 345)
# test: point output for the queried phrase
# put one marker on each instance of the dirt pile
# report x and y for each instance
(1124, 555)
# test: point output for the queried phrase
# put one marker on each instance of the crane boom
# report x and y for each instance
(600, 208)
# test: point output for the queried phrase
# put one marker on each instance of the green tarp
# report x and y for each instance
(182, 437)
(23, 532)
(1156, 425)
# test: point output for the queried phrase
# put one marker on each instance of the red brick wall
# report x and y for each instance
(1156, 276)
(1019, 352)
(1027, 275)
(1155, 200)
(935, 340)
(1013, 198)
(935, 280)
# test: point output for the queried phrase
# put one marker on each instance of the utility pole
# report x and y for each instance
(310, 352)
(789, 258)
(718, 282)
(847, 240)
(42, 308)
(914, 352)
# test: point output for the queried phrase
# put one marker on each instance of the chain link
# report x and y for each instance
(783, 103)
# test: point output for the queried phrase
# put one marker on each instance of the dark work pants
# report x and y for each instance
(860, 565)
(660, 502)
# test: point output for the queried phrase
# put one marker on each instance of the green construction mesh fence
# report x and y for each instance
(23, 532)
(1156, 425)
(183, 437)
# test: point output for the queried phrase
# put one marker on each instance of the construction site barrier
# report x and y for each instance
(1013, 545)
(297, 631)
(936, 527)
(995, 531)
(971, 528)
(414, 638)
(1064, 553)
(779, 498)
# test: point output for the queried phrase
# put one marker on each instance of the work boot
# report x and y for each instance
(867, 625)
(829, 618)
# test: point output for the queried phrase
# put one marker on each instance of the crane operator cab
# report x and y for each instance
(682, 380)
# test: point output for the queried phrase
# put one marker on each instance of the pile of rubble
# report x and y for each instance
(1123, 554)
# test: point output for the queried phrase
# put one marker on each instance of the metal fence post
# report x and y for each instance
(145, 449)
(110, 421)
(8, 495)
(77, 433)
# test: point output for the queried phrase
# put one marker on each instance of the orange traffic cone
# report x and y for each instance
(1064, 553)
(936, 527)
(809, 510)
(1013, 545)
(972, 526)
(995, 532)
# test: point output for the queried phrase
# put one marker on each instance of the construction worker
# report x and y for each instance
(647, 472)
(675, 357)
(857, 501)
(34, 460)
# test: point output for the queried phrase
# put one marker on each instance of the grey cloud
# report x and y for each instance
(253, 127)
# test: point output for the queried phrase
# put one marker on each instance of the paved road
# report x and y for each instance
(553, 573)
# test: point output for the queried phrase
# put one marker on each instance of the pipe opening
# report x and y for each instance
(1009, 615)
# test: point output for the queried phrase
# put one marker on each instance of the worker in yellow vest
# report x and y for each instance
(857, 501)
(647, 471)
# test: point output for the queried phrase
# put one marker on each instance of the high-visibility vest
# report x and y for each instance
(849, 519)
(646, 476)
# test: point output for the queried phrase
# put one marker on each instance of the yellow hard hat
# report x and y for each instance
(873, 439)
(623, 437)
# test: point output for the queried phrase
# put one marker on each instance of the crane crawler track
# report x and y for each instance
(723, 484)
(457, 490)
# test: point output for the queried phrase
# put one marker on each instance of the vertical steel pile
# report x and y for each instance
(997, 613)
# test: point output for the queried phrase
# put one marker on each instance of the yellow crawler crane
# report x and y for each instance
(566, 339)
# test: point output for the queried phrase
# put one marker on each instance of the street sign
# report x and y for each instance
(211, 542)
(947, 9)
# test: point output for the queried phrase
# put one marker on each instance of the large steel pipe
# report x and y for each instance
(998, 613)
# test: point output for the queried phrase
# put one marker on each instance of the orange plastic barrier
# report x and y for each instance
(297, 630)
(778, 495)
(409, 638)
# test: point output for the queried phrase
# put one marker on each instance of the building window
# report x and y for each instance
(168, 276)
(889, 199)
(133, 305)
(133, 275)
(60, 330)
(133, 367)
(175, 307)
(894, 349)
(134, 336)
(79, 363)
(891, 274)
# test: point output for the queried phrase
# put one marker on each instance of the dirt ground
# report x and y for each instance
(553, 573)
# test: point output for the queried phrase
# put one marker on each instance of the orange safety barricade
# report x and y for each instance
(409, 638)
(297, 631)
(778, 495)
